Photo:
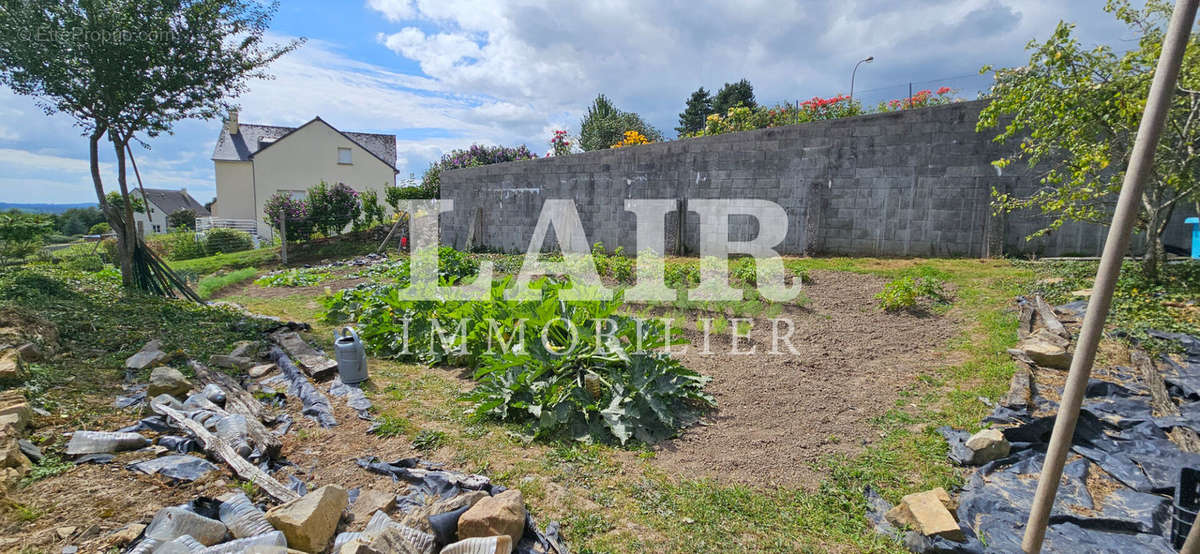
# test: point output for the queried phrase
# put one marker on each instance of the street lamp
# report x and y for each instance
(867, 59)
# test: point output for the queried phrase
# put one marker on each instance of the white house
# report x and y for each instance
(161, 203)
(253, 162)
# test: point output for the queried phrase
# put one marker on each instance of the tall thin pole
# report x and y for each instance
(867, 59)
(1140, 162)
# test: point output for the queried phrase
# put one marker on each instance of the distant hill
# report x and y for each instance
(44, 208)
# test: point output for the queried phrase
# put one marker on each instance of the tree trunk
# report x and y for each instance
(125, 248)
(1157, 216)
(111, 213)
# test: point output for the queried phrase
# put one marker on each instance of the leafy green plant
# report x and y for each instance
(566, 369)
(217, 241)
(429, 439)
(453, 266)
(904, 292)
(387, 426)
(297, 277)
(49, 466)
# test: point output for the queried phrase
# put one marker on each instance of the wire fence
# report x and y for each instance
(870, 95)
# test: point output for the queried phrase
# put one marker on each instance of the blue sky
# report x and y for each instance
(443, 74)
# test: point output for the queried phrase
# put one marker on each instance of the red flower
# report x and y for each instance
(943, 90)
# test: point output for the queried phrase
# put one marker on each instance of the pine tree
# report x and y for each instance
(699, 105)
(733, 94)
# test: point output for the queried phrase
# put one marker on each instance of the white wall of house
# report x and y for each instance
(300, 160)
(235, 190)
(152, 221)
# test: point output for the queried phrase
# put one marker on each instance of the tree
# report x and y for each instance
(128, 69)
(21, 234)
(182, 218)
(77, 221)
(604, 125)
(699, 105)
(732, 95)
(1074, 112)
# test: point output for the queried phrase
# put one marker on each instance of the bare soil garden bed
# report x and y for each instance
(778, 415)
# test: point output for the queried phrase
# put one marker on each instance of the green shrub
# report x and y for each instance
(225, 241)
(571, 385)
(904, 292)
(332, 208)
(99, 228)
(182, 245)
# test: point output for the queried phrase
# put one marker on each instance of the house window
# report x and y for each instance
(296, 194)
(344, 156)
(157, 229)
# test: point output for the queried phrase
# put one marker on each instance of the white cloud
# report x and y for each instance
(511, 72)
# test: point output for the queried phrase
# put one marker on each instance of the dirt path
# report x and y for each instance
(780, 414)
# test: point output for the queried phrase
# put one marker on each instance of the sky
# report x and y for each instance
(445, 74)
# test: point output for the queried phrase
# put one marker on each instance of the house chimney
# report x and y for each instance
(231, 122)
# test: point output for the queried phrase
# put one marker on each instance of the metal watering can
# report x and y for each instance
(351, 356)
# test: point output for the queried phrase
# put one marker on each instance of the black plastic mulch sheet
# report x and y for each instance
(177, 467)
(315, 405)
(432, 484)
(1117, 434)
(354, 396)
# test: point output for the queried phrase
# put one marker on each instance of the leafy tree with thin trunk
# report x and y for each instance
(733, 95)
(1074, 112)
(128, 70)
(604, 125)
(691, 119)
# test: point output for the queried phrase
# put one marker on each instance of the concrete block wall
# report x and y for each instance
(910, 183)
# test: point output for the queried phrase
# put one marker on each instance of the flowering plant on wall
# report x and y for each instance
(560, 144)
(922, 99)
(474, 156)
(632, 138)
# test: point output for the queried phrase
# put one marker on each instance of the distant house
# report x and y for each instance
(253, 162)
(161, 203)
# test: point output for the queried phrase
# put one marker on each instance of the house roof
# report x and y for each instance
(251, 138)
(171, 201)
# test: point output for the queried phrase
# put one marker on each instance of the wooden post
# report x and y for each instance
(1141, 160)
(283, 239)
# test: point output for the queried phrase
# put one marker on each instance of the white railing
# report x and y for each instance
(206, 223)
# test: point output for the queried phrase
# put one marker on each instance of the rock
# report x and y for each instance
(309, 521)
(231, 362)
(370, 501)
(14, 411)
(260, 370)
(98, 442)
(12, 369)
(309, 359)
(168, 380)
(149, 355)
(1046, 354)
(480, 545)
(503, 514)
(418, 517)
(64, 533)
(9, 478)
(390, 539)
(245, 349)
(928, 513)
(30, 352)
(11, 455)
(987, 445)
(126, 535)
